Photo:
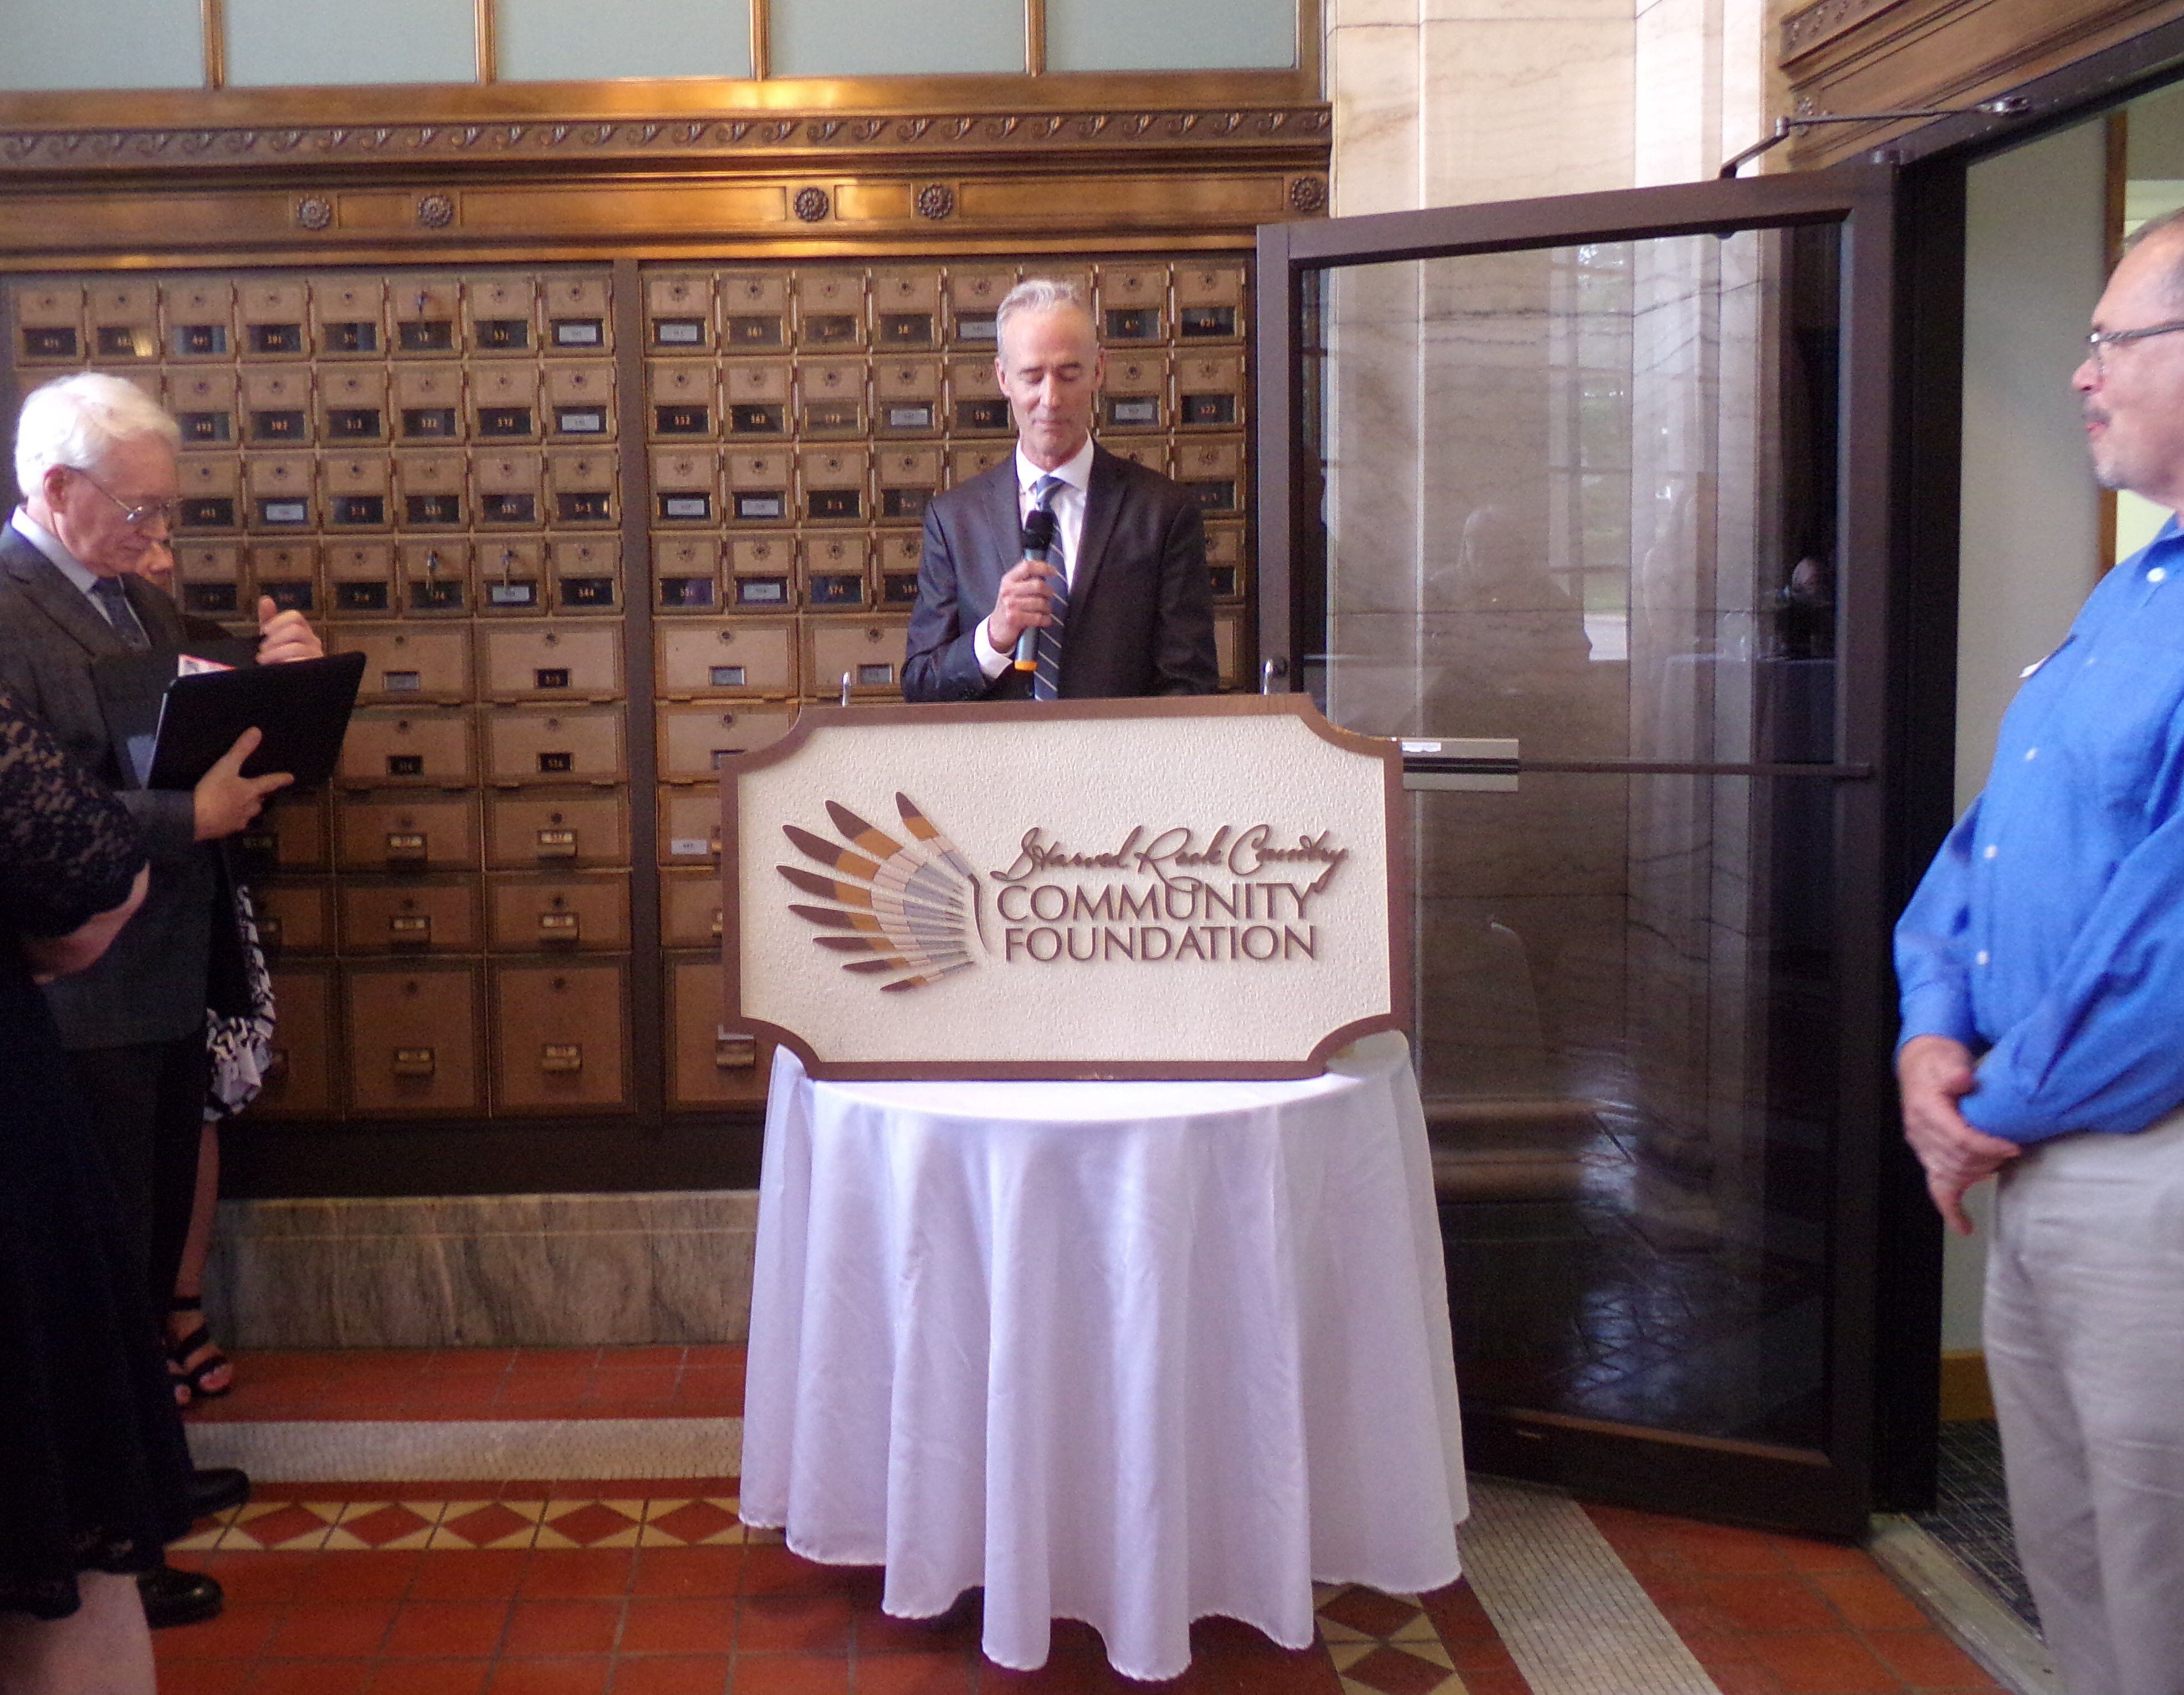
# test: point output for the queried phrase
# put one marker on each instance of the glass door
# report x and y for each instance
(1586, 500)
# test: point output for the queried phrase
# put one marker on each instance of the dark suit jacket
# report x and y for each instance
(1141, 618)
(151, 984)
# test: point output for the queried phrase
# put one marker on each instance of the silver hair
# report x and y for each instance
(1039, 294)
(77, 420)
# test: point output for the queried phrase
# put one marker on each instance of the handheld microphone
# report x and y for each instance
(1037, 539)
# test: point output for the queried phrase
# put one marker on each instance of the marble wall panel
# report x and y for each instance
(1520, 107)
(1556, 834)
(1372, 80)
(485, 1270)
(1676, 116)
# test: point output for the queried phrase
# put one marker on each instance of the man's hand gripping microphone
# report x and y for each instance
(1037, 540)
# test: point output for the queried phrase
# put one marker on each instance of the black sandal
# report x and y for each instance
(189, 1380)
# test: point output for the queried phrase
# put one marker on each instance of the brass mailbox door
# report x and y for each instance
(357, 490)
(413, 1039)
(1131, 304)
(525, 832)
(579, 401)
(560, 661)
(585, 573)
(678, 312)
(762, 574)
(1209, 303)
(831, 481)
(564, 744)
(690, 909)
(577, 319)
(49, 323)
(1209, 391)
(290, 835)
(905, 308)
(428, 403)
(509, 486)
(906, 397)
(1212, 470)
(830, 397)
(204, 406)
(511, 571)
(759, 488)
(734, 656)
(581, 484)
(348, 317)
(712, 1066)
(300, 1081)
(425, 316)
(277, 405)
(430, 491)
(897, 553)
(965, 463)
(501, 313)
(974, 293)
(360, 578)
(409, 833)
(505, 403)
(695, 738)
(690, 831)
(125, 321)
(435, 577)
(1135, 394)
(294, 918)
(686, 572)
(391, 746)
(559, 1036)
(287, 573)
(684, 406)
(755, 396)
(411, 915)
(547, 912)
(868, 651)
(685, 486)
(200, 318)
(211, 495)
(280, 493)
(909, 478)
(837, 573)
(830, 310)
(210, 579)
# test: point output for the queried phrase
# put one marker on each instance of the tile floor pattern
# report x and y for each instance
(626, 1586)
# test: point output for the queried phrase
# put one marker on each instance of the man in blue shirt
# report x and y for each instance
(2041, 967)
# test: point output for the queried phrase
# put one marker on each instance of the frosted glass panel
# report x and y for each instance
(577, 41)
(895, 38)
(115, 44)
(1170, 35)
(283, 43)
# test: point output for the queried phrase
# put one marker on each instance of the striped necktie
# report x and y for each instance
(1046, 652)
(113, 601)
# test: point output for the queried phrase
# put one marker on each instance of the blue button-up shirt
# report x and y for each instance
(2048, 934)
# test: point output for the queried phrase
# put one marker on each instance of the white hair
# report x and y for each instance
(77, 420)
(1039, 294)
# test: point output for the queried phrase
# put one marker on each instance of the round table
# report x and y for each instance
(1127, 1352)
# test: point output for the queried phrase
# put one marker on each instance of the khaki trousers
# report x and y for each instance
(2085, 1347)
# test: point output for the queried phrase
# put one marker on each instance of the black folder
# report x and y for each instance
(302, 708)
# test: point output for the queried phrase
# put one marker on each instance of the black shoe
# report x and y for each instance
(179, 1597)
(215, 1488)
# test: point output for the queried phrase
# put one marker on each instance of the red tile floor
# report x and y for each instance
(545, 1587)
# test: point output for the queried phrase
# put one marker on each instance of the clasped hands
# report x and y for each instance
(224, 800)
(1933, 1073)
(1025, 602)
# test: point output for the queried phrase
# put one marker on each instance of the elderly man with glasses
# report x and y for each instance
(96, 461)
(2041, 969)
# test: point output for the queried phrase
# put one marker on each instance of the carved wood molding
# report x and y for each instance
(1806, 28)
(806, 138)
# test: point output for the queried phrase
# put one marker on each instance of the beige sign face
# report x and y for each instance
(1194, 889)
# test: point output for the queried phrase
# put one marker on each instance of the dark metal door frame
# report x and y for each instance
(1880, 1369)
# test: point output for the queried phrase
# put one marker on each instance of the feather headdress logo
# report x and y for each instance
(910, 907)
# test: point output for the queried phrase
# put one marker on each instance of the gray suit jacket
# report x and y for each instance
(1141, 618)
(151, 984)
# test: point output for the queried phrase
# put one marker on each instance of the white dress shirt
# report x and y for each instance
(1067, 506)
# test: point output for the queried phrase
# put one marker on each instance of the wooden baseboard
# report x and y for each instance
(1964, 1392)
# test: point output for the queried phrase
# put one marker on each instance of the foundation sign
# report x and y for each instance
(1200, 888)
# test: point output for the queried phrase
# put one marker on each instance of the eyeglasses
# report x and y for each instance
(161, 512)
(2100, 341)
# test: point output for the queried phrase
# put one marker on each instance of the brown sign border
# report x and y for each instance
(814, 718)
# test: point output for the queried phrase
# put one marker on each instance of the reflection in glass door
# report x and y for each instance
(1586, 496)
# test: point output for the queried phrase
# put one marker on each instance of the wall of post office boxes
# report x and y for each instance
(584, 573)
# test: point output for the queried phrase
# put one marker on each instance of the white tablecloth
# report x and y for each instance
(1127, 1352)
